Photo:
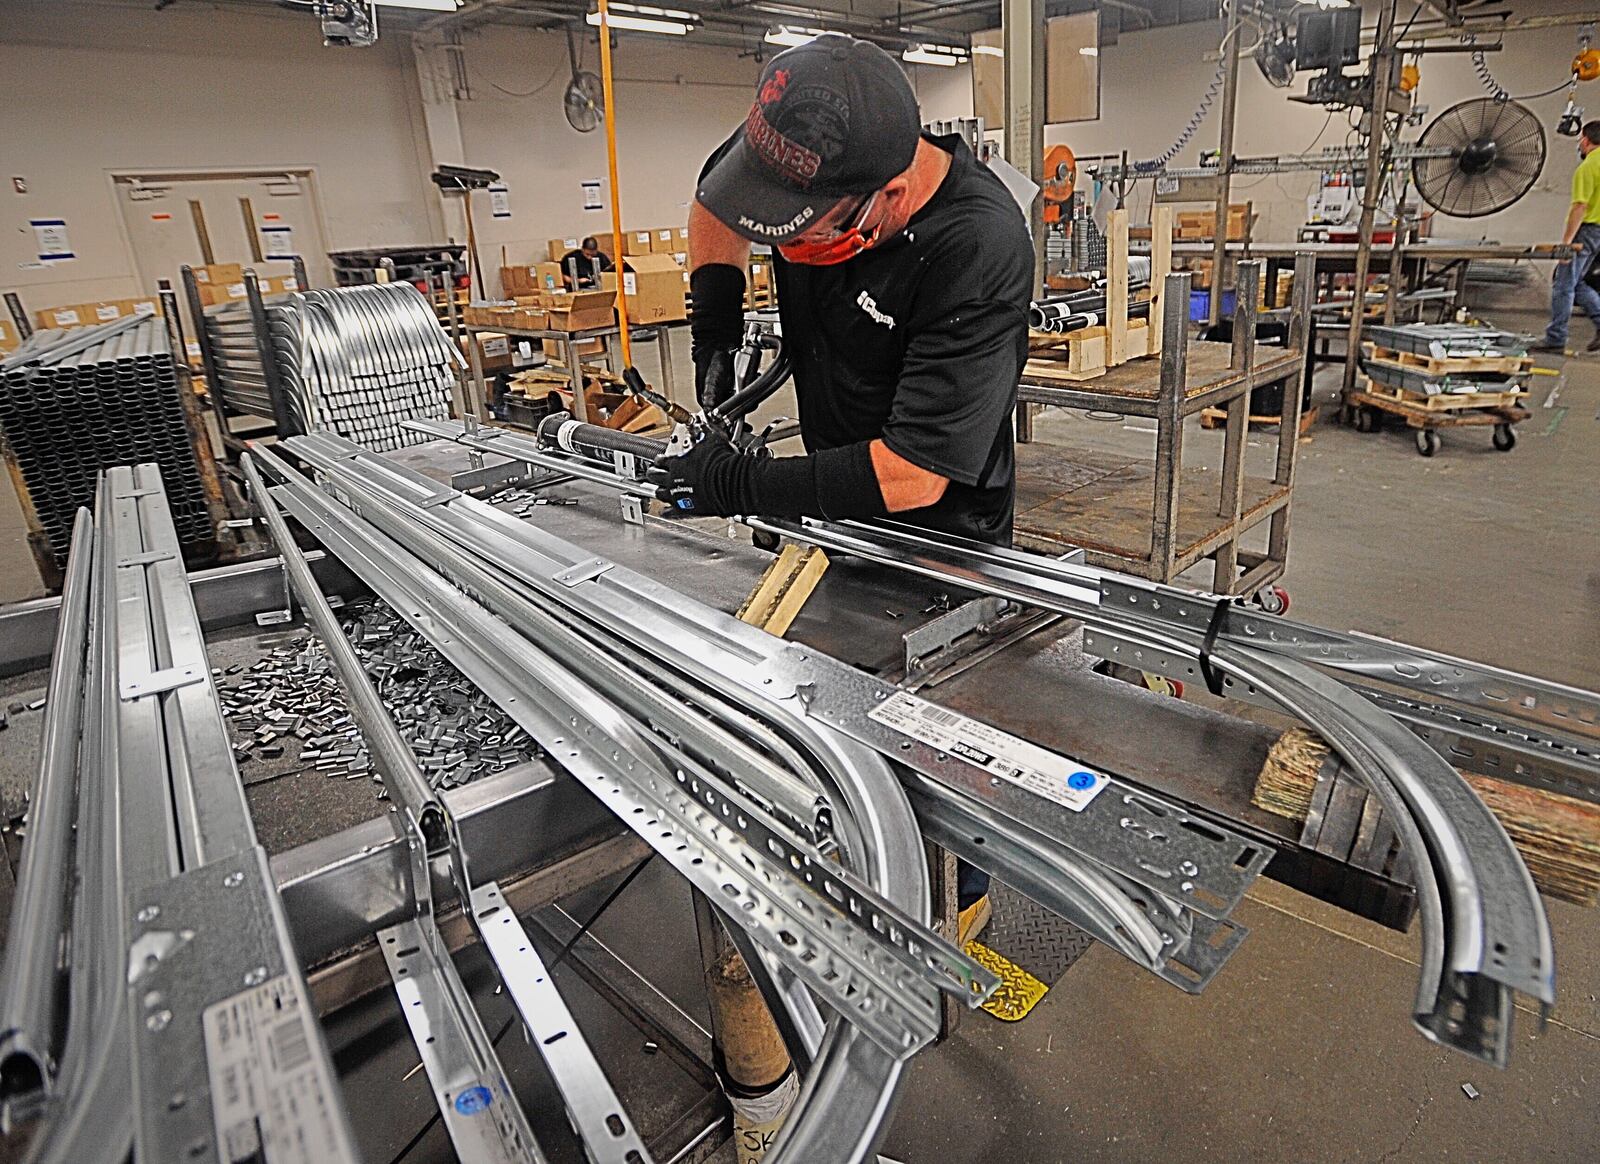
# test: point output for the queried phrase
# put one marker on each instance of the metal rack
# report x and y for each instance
(1154, 526)
(568, 342)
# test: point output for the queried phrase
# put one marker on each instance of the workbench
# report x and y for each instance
(568, 341)
(634, 981)
(1155, 520)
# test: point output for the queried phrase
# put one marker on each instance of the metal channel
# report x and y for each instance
(1497, 938)
(845, 1100)
(33, 956)
(592, 1105)
(935, 961)
(584, 733)
(229, 1059)
(480, 1111)
(730, 656)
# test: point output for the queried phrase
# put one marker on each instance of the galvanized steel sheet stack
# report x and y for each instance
(356, 361)
(75, 402)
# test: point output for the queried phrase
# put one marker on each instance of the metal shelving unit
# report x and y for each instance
(1156, 525)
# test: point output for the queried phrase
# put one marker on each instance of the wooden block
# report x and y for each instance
(1117, 288)
(1160, 268)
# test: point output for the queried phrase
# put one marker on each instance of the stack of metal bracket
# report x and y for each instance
(357, 361)
(1498, 355)
(1397, 716)
(75, 402)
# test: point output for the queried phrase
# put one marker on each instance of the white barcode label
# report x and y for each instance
(1044, 773)
(270, 1096)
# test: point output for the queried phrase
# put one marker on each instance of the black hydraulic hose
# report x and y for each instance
(755, 393)
(1075, 317)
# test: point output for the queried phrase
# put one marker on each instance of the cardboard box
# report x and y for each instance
(531, 278)
(583, 348)
(494, 350)
(219, 273)
(9, 337)
(653, 287)
(560, 246)
(681, 233)
(100, 311)
(664, 241)
(212, 294)
(578, 311)
(636, 242)
(279, 285)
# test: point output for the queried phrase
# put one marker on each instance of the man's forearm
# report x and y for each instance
(711, 241)
(1575, 218)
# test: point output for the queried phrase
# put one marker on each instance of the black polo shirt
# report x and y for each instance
(920, 340)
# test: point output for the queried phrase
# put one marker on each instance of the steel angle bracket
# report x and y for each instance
(1499, 722)
(229, 1060)
(1143, 837)
(1180, 946)
(592, 1105)
(485, 1122)
(866, 979)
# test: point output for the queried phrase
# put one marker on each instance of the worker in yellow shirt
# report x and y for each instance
(1569, 285)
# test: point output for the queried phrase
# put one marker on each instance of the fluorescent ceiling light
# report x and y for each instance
(987, 50)
(645, 18)
(1089, 50)
(933, 54)
(789, 37)
(426, 5)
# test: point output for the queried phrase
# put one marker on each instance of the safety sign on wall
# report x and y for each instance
(591, 195)
(277, 242)
(500, 200)
(52, 236)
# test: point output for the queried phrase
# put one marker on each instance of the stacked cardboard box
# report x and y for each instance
(1197, 225)
(100, 311)
(531, 278)
(9, 337)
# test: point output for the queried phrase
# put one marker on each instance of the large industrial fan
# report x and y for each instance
(1497, 149)
(584, 100)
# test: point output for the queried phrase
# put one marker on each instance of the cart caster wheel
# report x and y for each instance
(763, 539)
(1368, 420)
(1273, 600)
(1505, 437)
(1427, 442)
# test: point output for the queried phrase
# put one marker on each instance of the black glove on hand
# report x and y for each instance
(713, 479)
(717, 292)
(713, 376)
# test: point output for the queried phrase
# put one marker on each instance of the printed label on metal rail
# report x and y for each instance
(1044, 773)
(269, 1096)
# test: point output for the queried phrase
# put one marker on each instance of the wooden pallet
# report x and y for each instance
(1080, 355)
(1217, 417)
(1451, 365)
(1440, 401)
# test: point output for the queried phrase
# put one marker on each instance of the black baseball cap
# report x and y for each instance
(833, 117)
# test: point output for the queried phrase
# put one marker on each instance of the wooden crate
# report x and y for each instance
(1080, 355)
(1451, 365)
(1441, 401)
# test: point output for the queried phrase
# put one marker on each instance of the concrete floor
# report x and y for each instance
(1303, 1049)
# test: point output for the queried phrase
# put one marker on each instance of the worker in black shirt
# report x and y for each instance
(585, 265)
(904, 272)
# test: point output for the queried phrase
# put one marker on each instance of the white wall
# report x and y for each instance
(1150, 82)
(675, 103)
(91, 89)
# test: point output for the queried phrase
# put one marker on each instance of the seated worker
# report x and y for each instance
(586, 264)
(904, 272)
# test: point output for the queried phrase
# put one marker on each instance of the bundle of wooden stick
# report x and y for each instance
(1558, 836)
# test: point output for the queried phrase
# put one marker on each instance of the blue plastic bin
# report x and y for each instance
(1200, 305)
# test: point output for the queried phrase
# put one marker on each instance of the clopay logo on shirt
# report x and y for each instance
(870, 305)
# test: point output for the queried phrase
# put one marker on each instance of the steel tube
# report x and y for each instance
(393, 756)
(32, 967)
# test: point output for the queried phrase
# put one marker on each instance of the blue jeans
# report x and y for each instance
(1568, 286)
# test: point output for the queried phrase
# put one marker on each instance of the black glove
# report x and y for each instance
(713, 376)
(713, 479)
(717, 292)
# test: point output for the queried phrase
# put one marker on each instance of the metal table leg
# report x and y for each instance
(569, 352)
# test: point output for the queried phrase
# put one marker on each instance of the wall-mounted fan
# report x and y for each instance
(584, 100)
(1275, 57)
(1497, 149)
